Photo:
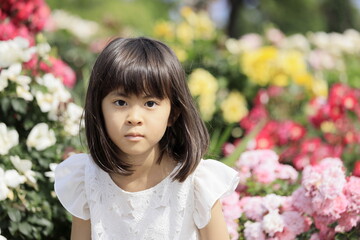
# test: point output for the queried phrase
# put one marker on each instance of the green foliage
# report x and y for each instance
(140, 15)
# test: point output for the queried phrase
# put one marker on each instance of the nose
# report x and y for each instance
(134, 117)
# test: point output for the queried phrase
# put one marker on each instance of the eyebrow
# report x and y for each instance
(122, 94)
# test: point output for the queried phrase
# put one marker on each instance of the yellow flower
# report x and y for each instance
(328, 127)
(187, 12)
(320, 88)
(304, 79)
(234, 107)
(207, 106)
(201, 82)
(164, 30)
(259, 64)
(292, 62)
(180, 53)
(280, 80)
(185, 33)
(204, 27)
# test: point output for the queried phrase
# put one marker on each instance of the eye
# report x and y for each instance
(120, 103)
(150, 104)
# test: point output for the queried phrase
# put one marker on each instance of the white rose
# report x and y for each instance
(74, 112)
(51, 174)
(23, 92)
(23, 80)
(50, 82)
(46, 101)
(13, 178)
(55, 87)
(62, 94)
(4, 190)
(41, 137)
(19, 51)
(72, 119)
(43, 49)
(273, 223)
(13, 71)
(8, 139)
(2, 237)
(3, 81)
(24, 166)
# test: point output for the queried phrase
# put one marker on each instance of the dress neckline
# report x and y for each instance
(145, 191)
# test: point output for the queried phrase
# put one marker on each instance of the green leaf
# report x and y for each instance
(5, 104)
(230, 160)
(25, 228)
(19, 105)
(14, 214)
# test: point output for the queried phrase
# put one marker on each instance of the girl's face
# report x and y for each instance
(134, 123)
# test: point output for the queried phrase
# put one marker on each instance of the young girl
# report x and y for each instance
(144, 177)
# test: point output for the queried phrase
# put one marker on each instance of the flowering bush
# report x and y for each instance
(37, 123)
(308, 130)
(22, 18)
(324, 205)
(38, 120)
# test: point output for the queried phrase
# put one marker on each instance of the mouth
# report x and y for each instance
(134, 136)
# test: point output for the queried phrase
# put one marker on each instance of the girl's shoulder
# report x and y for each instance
(70, 184)
(209, 170)
(212, 181)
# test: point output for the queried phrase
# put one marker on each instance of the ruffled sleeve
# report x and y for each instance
(212, 181)
(70, 185)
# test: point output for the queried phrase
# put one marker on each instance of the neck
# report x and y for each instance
(142, 164)
(147, 172)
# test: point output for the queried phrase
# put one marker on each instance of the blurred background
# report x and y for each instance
(277, 83)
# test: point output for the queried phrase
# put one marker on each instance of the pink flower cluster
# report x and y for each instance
(327, 202)
(22, 18)
(272, 217)
(232, 212)
(264, 167)
(329, 197)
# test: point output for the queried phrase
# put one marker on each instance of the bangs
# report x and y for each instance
(139, 70)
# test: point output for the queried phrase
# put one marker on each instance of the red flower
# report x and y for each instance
(262, 97)
(40, 17)
(310, 145)
(319, 111)
(356, 171)
(258, 113)
(24, 9)
(349, 137)
(337, 92)
(2, 15)
(7, 31)
(301, 160)
(61, 70)
(349, 101)
(289, 131)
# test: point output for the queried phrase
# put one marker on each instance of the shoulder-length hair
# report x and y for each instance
(137, 66)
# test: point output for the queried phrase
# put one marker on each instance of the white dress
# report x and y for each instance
(168, 211)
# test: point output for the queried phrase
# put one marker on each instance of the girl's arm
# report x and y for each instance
(80, 229)
(216, 228)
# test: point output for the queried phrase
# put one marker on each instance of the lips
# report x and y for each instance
(134, 136)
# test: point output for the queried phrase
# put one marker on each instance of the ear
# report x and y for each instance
(174, 114)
